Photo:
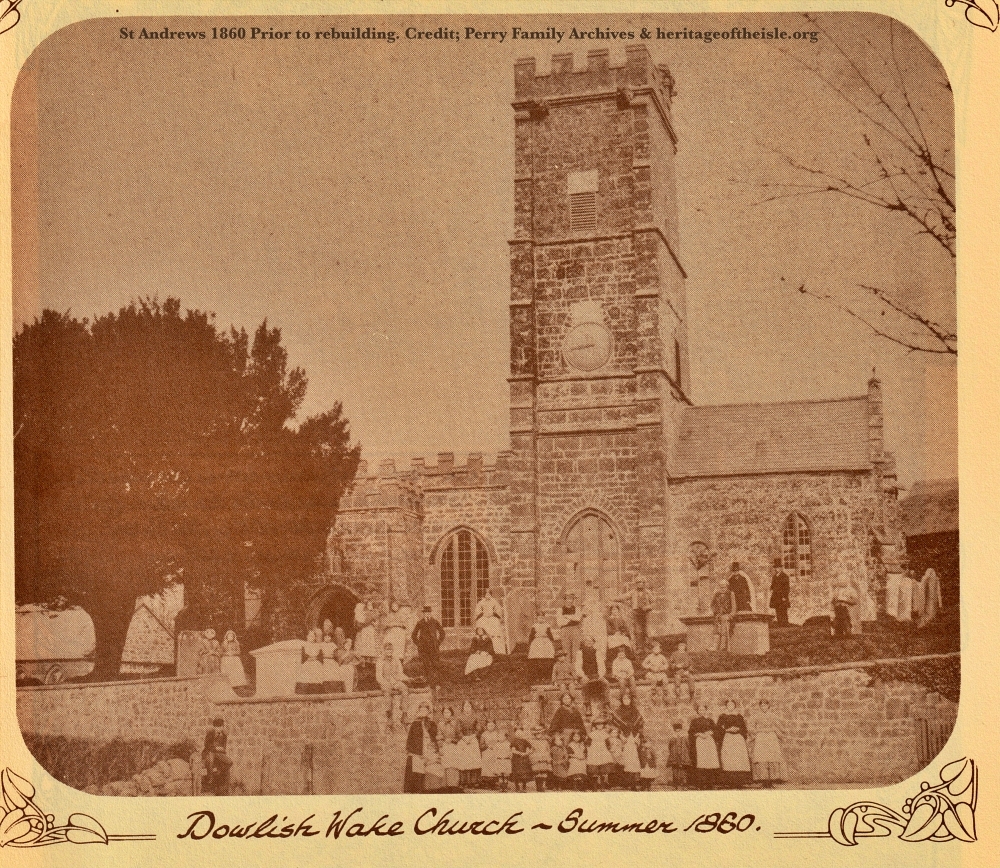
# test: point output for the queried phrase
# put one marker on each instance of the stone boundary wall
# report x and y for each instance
(837, 726)
(354, 750)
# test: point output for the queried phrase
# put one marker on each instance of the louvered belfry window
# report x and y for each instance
(582, 187)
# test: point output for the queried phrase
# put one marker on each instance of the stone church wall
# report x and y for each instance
(741, 519)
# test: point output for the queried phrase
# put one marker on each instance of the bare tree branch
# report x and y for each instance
(943, 341)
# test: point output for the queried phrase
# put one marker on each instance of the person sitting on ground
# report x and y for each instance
(562, 673)
(656, 667)
(623, 672)
(390, 678)
(480, 654)
(680, 668)
(619, 635)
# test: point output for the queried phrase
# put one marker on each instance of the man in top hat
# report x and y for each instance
(739, 584)
(427, 636)
(780, 594)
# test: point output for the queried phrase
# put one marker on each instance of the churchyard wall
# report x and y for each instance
(838, 726)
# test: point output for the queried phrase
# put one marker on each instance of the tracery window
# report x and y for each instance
(796, 547)
(465, 576)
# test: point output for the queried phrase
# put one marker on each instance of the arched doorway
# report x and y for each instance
(335, 603)
(592, 555)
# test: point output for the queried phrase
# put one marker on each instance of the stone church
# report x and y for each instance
(613, 474)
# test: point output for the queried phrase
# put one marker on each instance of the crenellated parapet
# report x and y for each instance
(534, 91)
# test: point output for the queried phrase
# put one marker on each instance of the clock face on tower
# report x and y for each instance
(587, 346)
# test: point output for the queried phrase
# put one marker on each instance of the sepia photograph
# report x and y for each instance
(485, 404)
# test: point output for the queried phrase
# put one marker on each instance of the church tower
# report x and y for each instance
(599, 357)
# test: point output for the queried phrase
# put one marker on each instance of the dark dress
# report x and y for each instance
(705, 773)
(628, 720)
(520, 761)
(733, 754)
(413, 782)
(566, 718)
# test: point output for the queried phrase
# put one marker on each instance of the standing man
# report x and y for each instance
(739, 584)
(421, 736)
(642, 604)
(569, 619)
(780, 594)
(390, 678)
(595, 624)
(722, 609)
(428, 636)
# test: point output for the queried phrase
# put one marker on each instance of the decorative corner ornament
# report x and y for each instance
(943, 812)
(24, 824)
(980, 13)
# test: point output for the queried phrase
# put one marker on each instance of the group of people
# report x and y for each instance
(329, 662)
(223, 658)
(726, 752)
(578, 751)
(333, 662)
(466, 752)
(913, 600)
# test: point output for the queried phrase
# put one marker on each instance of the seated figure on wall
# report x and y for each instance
(215, 760)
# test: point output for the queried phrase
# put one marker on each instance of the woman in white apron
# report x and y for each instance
(230, 664)
(489, 616)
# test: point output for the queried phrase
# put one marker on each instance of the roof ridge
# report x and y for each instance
(778, 403)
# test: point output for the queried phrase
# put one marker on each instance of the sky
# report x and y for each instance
(359, 196)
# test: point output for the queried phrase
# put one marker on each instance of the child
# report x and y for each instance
(679, 756)
(470, 760)
(647, 764)
(562, 673)
(631, 767)
(600, 763)
(656, 666)
(560, 762)
(577, 767)
(520, 761)
(433, 768)
(450, 757)
(541, 759)
(680, 668)
(488, 743)
(503, 759)
(623, 671)
(616, 744)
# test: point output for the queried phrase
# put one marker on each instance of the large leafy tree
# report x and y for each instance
(151, 446)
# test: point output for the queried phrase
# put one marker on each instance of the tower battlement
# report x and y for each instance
(599, 76)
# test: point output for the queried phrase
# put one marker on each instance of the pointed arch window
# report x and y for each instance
(796, 547)
(465, 576)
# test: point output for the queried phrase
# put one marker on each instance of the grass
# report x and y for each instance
(791, 647)
(82, 763)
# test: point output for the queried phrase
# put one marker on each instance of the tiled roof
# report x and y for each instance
(930, 507)
(745, 439)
